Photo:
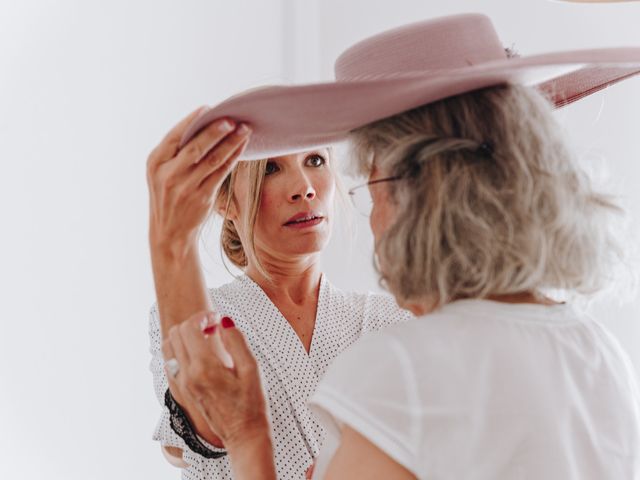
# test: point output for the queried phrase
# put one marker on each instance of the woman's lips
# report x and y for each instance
(304, 221)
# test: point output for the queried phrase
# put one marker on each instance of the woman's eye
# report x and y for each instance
(316, 161)
(271, 168)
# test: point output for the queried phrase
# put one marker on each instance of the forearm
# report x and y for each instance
(179, 407)
(179, 282)
(253, 458)
(181, 292)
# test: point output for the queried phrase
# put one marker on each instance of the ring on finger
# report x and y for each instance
(172, 367)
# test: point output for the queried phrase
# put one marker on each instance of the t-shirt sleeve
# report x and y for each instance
(371, 388)
(381, 311)
(626, 371)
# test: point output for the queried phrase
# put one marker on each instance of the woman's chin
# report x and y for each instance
(306, 240)
(307, 244)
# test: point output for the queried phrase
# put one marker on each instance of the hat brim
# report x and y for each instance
(289, 119)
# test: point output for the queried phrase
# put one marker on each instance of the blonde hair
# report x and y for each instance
(236, 251)
(490, 201)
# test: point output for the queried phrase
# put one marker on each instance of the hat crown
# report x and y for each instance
(445, 43)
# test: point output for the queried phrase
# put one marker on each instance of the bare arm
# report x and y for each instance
(357, 457)
(179, 283)
(181, 292)
(174, 456)
(182, 187)
(183, 184)
(253, 459)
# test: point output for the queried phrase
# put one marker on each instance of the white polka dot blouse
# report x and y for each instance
(289, 374)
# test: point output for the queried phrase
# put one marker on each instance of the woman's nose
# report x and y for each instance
(307, 192)
(303, 190)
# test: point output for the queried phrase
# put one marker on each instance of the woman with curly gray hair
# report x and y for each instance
(487, 200)
(478, 209)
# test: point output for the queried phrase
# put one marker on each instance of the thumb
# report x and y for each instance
(236, 345)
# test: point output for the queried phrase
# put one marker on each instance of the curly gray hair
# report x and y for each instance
(491, 201)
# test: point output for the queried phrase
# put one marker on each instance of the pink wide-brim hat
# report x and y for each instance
(404, 68)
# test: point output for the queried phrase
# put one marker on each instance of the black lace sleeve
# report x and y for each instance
(182, 426)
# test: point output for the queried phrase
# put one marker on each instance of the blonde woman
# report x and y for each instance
(278, 215)
(478, 209)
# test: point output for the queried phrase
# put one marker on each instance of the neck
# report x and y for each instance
(419, 308)
(294, 280)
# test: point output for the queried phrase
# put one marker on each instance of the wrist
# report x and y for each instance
(256, 437)
(166, 250)
(183, 427)
(252, 458)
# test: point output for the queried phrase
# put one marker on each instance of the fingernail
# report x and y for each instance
(225, 126)
(243, 129)
(210, 330)
(208, 320)
(227, 322)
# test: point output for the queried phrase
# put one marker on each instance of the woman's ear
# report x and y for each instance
(227, 210)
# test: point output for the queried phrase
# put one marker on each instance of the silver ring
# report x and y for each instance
(172, 366)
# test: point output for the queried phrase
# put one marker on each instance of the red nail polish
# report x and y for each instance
(227, 322)
(210, 330)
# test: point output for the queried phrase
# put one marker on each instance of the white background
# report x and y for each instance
(86, 91)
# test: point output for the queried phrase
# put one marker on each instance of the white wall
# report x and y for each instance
(86, 90)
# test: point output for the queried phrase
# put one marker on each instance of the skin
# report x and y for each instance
(239, 403)
(183, 184)
(293, 184)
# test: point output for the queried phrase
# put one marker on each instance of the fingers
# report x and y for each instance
(220, 161)
(179, 349)
(204, 142)
(235, 343)
(208, 185)
(168, 147)
(194, 337)
(204, 357)
(218, 356)
(167, 354)
(225, 149)
(167, 350)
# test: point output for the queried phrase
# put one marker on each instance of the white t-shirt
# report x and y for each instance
(482, 390)
(289, 374)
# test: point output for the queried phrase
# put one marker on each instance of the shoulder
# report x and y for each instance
(235, 289)
(369, 363)
(376, 310)
(409, 347)
(371, 388)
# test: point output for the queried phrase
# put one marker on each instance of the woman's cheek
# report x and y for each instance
(374, 224)
(380, 214)
(268, 208)
(331, 188)
(326, 191)
(266, 202)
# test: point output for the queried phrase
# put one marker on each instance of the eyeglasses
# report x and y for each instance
(361, 197)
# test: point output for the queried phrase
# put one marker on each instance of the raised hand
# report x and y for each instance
(183, 182)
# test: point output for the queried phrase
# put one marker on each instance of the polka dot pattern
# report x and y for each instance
(290, 375)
